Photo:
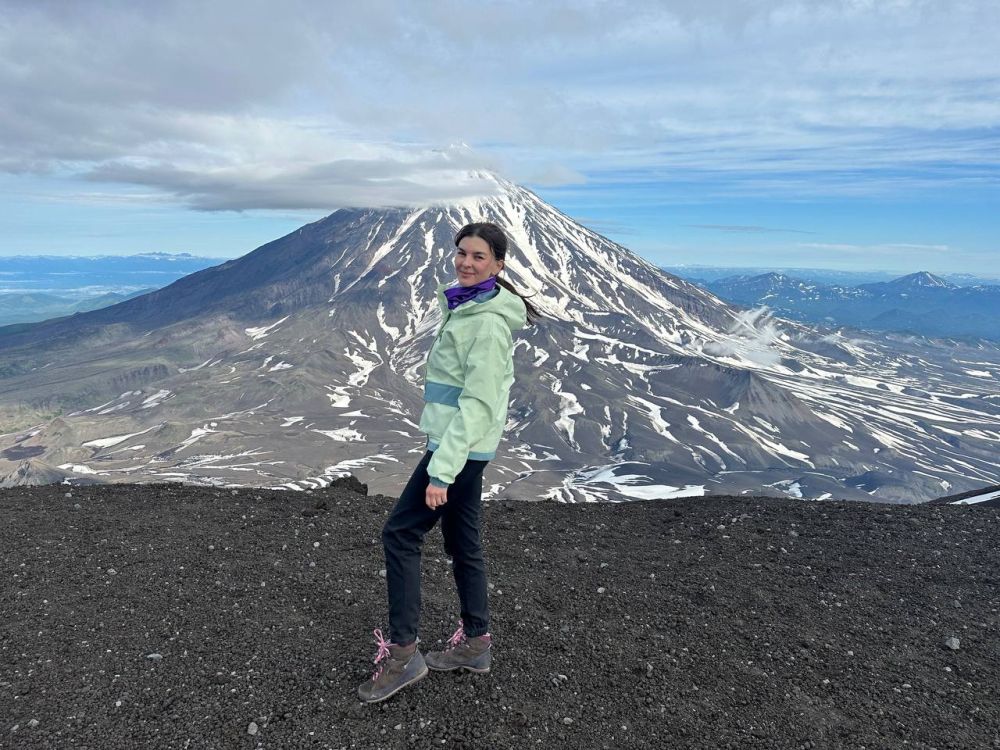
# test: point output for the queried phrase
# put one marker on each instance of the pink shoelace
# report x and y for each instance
(383, 652)
(458, 636)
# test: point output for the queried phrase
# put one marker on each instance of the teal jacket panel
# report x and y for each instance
(467, 380)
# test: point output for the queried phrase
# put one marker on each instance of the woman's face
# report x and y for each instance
(474, 261)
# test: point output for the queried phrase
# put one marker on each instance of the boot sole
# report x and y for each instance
(452, 669)
(418, 678)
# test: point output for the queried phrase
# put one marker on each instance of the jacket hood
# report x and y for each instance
(507, 305)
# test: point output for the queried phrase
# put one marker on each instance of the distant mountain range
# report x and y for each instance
(825, 276)
(919, 303)
(302, 361)
(38, 287)
(31, 307)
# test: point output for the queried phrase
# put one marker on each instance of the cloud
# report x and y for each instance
(740, 229)
(604, 226)
(242, 105)
(391, 179)
(754, 336)
(555, 174)
(900, 257)
(884, 249)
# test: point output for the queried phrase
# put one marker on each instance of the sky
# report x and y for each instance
(846, 134)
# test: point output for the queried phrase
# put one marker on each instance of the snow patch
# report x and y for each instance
(77, 468)
(155, 399)
(343, 435)
(964, 501)
(108, 442)
(259, 333)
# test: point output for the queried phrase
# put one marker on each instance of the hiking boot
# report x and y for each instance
(470, 654)
(400, 666)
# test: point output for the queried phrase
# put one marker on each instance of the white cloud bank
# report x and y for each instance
(228, 105)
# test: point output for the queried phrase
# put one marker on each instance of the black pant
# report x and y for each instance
(403, 536)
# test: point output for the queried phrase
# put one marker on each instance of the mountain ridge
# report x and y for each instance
(636, 384)
(919, 303)
(923, 279)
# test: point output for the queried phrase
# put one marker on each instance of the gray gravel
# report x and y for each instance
(164, 616)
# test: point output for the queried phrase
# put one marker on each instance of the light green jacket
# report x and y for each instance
(467, 380)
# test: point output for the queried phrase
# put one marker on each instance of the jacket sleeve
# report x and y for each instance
(484, 368)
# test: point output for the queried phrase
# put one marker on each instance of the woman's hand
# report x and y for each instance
(436, 496)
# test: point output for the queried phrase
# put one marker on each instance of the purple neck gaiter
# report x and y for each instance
(456, 295)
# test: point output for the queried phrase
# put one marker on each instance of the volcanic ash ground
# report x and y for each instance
(168, 616)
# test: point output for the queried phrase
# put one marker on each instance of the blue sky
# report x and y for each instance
(849, 134)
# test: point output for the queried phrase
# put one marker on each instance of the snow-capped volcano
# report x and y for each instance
(920, 280)
(302, 360)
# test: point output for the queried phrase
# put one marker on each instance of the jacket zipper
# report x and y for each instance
(441, 329)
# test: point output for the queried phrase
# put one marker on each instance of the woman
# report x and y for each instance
(468, 376)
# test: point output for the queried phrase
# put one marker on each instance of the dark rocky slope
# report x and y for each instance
(988, 490)
(166, 616)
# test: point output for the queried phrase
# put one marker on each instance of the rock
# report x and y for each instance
(952, 642)
(252, 729)
(350, 483)
(154, 656)
(32, 472)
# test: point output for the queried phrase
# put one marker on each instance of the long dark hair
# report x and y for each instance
(497, 240)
